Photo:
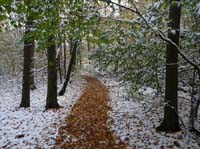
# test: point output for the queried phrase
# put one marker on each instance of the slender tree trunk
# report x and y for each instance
(65, 58)
(51, 101)
(32, 81)
(59, 66)
(71, 47)
(120, 8)
(28, 46)
(170, 122)
(88, 46)
(195, 101)
(79, 55)
(70, 68)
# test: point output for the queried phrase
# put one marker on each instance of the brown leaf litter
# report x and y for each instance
(86, 126)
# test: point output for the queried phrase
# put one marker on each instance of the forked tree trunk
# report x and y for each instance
(51, 101)
(170, 122)
(70, 68)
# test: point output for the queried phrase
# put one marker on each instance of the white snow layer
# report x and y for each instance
(27, 128)
(198, 9)
(135, 121)
(132, 121)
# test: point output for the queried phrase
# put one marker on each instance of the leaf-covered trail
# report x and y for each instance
(86, 125)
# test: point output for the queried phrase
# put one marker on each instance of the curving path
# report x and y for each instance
(86, 126)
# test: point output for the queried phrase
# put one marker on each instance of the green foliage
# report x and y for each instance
(190, 35)
(58, 19)
(131, 51)
(136, 55)
(5, 7)
(127, 51)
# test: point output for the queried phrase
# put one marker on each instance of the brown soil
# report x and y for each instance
(86, 126)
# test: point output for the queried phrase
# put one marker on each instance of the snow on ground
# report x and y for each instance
(132, 121)
(135, 121)
(32, 127)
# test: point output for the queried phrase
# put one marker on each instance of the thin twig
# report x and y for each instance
(158, 32)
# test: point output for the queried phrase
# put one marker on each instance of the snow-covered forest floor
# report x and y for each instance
(132, 121)
(32, 127)
(135, 121)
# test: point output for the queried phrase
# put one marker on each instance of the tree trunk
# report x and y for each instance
(170, 122)
(195, 101)
(59, 67)
(51, 101)
(32, 81)
(65, 57)
(28, 47)
(120, 8)
(71, 48)
(70, 68)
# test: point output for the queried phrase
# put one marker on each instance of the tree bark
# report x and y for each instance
(70, 68)
(65, 57)
(32, 80)
(28, 49)
(71, 49)
(170, 122)
(59, 66)
(28, 46)
(51, 101)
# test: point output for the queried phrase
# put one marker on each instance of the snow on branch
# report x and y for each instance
(157, 32)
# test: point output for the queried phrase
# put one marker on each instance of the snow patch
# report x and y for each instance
(32, 127)
(198, 9)
(134, 121)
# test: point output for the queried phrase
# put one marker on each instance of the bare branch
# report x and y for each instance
(158, 32)
(120, 20)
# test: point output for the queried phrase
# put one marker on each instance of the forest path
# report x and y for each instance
(86, 126)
